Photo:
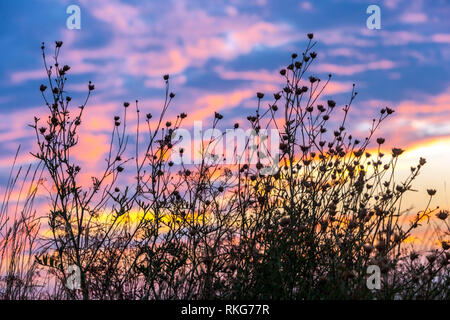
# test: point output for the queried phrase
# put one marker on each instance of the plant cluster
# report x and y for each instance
(309, 230)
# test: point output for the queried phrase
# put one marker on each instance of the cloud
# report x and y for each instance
(91, 149)
(416, 119)
(18, 77)
(413, 17)
(253, 75)
(306, 6)
(432, 105)
(197, 38)
(344, 36)
(142, 44)
(353, 69)
(441, 37)
(392, 4)
(398, 38)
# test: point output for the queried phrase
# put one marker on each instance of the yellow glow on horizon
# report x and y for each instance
(435, 174)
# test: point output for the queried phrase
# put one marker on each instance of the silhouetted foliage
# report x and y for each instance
(213, 231)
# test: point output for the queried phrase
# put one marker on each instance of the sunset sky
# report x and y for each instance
(219, 53)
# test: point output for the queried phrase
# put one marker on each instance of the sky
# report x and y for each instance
(220, 53)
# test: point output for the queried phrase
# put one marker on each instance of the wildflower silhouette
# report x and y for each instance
(308, 229)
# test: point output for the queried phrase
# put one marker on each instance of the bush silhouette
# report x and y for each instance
(308, 230)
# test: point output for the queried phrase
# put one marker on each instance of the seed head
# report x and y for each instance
(368, 248)
(310, 36)
(396, 152)
(443, 214)
(312, 79)
(413, 256)
(431, 257)
(331, 103)
(285, 221)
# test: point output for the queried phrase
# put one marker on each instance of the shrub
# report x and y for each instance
(309, 230)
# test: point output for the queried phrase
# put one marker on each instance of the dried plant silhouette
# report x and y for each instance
(147, 228)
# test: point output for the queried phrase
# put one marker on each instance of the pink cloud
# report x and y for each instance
(125, 18)
(435, 104)
(391, 4)
(343, 36)
(413, 17)
(273, 77)
(414, 120)
(441, 38)
(22, 76)
(202, 37)
(91, 149)
(401, 37)
(193, 38)
(353, 69)
(254, 75)
(306, 6)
